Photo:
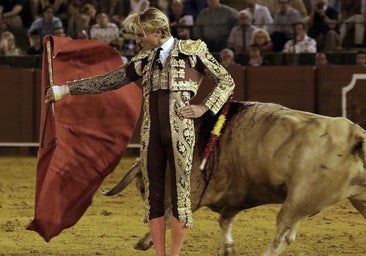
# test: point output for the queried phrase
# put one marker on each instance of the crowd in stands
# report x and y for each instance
(256, 28)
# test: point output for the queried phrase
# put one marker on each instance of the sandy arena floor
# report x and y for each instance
(112, 225)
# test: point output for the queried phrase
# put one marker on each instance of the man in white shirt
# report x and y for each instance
(261, 16)
(301, 43)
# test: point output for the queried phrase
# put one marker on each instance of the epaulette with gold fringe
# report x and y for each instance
(191, 47)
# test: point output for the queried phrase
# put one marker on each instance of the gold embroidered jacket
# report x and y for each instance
(185, 74)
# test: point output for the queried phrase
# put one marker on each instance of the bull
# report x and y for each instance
(267, 154)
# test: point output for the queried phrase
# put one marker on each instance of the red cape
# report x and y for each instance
(82, 137)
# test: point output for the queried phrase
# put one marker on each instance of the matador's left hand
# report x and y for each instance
(192, 111)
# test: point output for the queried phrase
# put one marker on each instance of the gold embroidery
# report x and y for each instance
(223, 80)
(181, 90)
(190, 47)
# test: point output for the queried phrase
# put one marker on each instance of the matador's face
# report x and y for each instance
(148, 40)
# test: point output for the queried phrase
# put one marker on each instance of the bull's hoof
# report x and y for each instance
(143, 244)
(229, 250)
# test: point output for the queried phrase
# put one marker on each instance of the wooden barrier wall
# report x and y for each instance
(17, 105)
(299, 87)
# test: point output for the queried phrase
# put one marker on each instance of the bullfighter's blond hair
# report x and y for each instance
(150, 20)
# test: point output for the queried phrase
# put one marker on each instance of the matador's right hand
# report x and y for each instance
(55, 93)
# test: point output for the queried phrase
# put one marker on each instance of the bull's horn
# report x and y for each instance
(131, 174)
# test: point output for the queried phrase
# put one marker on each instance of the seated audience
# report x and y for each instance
(35, 42)
(104, 30)
(227, 58)
(241, 34)
(82, 34)
(214, 24)
(184, 32)
(320, 59)
(283, 21)
(8, 46)
(274, 5)
(301, 43)
(139, 5)
(10, 14)
(90, 11)
(77, 21)
(256, 58)
(177, 17)
(47, 23)
(117, 10)
(352, 31)
(261, 40)
(59, 32)
(349, 8)
(260, 14)
(194, 7)
(324, 26)
(59, 6)
(361, 58)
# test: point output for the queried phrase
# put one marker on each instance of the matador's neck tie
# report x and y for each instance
(157, 62)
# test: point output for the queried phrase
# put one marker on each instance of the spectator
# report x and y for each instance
(324, 26)
(35, 42)
(227, 58)
(361, 58)
(336, 4)
(283, 21)
(92, 2)
(162, 5)
(82, 34)
(301, 43)
(261, 40)
(104, 30)
(47, 23)
(256, 57)
(241, 34)
(184, 32)
(194, 7)
(352, 31)
(261, 17)
(178, 17)
(59, 6)
(117, 10)
(8, 46)
(214, 24)
(320, 59)
(90, 11)
(349, 8)
(139, 5)
(10, 14)
(274, 5)
(77, 21)
(59, 32)
(26, 13)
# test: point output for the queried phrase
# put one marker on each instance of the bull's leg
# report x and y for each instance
(287, 224)
(144, 243)
(225, 221)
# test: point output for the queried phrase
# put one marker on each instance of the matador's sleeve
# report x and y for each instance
(207, 64)
(106, 82)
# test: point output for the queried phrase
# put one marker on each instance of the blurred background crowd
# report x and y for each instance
(229, 27)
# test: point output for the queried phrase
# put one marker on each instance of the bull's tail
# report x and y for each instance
(125, 181)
